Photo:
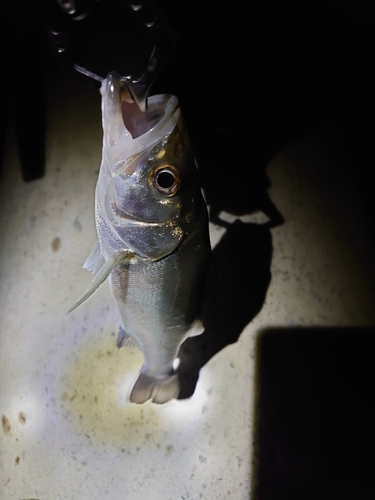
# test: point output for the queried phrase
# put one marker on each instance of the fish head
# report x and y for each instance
(148, 186)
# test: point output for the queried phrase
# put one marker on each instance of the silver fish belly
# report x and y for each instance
(152, 228)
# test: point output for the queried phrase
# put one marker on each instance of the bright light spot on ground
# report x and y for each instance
(124, 389)
(187, 408)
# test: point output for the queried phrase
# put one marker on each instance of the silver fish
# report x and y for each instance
(153, 239)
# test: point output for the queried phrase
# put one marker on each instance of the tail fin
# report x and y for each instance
(124, 339)
(158, 390)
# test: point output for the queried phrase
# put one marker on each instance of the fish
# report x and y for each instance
(153, 233)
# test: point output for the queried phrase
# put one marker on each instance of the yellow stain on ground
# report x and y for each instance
(95, 392)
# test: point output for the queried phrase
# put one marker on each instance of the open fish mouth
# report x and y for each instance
(126, 126)
(139, 122)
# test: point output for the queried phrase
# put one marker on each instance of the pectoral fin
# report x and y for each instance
(102, 275)
(95, 260)
(123, 338)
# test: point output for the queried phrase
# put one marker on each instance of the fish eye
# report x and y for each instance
(166, 180)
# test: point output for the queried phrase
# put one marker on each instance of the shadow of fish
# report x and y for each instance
(153, 239)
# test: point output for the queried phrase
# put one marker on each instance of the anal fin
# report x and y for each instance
(196, 328)
(124, 339)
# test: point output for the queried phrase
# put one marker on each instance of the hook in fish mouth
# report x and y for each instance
(134, 92)
(137, 121)
(124, 122)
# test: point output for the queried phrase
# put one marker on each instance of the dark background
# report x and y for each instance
(314, 414)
